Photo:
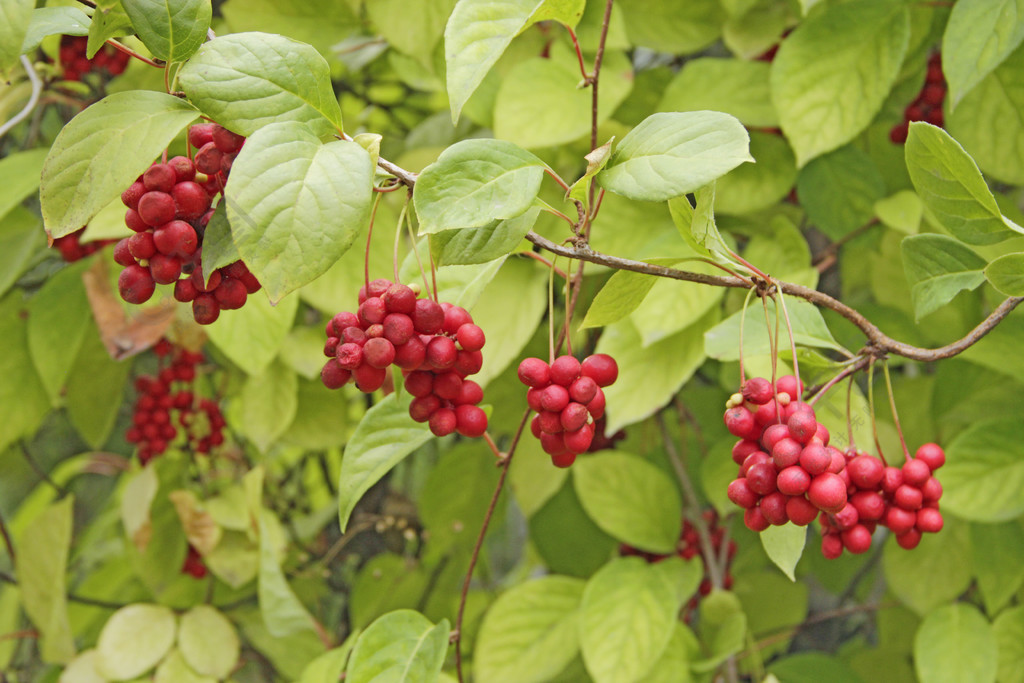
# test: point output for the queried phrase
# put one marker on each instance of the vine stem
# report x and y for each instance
(537, 257)
(892, 407)
(506, 461)
(120, 47)
(33, 100)
(846, 372)
(8, 543)
(579, 53)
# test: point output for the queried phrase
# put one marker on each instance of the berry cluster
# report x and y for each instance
(169, 207)
(194, 565)
(76, 65)
(437, 346)
(153, 426)
(927, 106)
(567, 397)
(789, 473)
(72, 248)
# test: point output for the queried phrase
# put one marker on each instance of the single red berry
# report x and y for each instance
(757, 390)
(379, 352)
(176, 238)
(931, 491)
(468, 362)
(741, 494)
(131, 196)
(336, 324)
(164, 269)
(156, 208)
(554, 397)
(870, 505)
(185, 291)
(563, 460)
(802, 426)
(755, 520)
(447, 385)
(454, 318)
(762, 478)
(574, 416)
(579, 441)
(208, 159)
(411, 354)
(831, 546)
(470, 337)
(550, 422)
(205, 308)
(857, 539)
(898, 520)
(135, 284)
(828, 492)
(443, 422)
(929, 521)
(230, 294)
(786, 453)
(333, 375)
(793, 481)
(600, 367)
(398, 328)
(533, 372)
(815, 459)
(350, 355)
(740, 451)
(160, 177)
(190, 200)
(740, 422)
(773, 507)
(441, 353)
(801, 511)
(565, 370)
(596, 405)
(533, 399)
(789, 385)
(372, 311)
(846, 517)
(866, 471)
(583, 390)
(553, 444)
(420, 409)
(184, 169)
(399, 299)
(427, 316)
(916, 472)
(772, 435)
(909, 539)
(200, 134)
(908, 497)
(470, 421)
(368, 378)
(122, 254)
(755, 458)
(932, 455)
(469, 394)
(768, 414)
(227, 141)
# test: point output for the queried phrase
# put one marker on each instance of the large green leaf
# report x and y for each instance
(734, 86)
(172, 29)
(674, 305)
(15, 17)
(43, 551)
(951, 186)
(475, 182)
(630, 499)
(95, 385)
(283, 613)
(110, 144)
(267, 404)
(832, 74)
(47, 21)
(483, 244)
(757, 186)
(807, 667)
(61, 304)
(983, 476)
(839, 190)
(208, 641)
(784, 546)
(245, 81)
(809, 329)
(938, 268)
(108, 21)
(997, 551)
(412, 28)
(988, 120)
(23, 399)
(659, 25)
(671, 154)
(19, 177)
(955, 644)
(175, 669)
(628, 616)
(252, 336)
(531, 632)
(1008, 629)
(624, 291)
(20, 237)
(402, 646)
(936, 572)
(1006, 274)
(134, 639)
(979, 35)
(295, 205)
(385, 435)
(477, 33)
(321, 23)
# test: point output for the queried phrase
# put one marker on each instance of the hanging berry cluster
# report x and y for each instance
(72, 248)
(193, 564)
(76, 64)
(927, 106)
(169, 207)
(171, 391)
(437, 347)
(789, 473)
(567, 398)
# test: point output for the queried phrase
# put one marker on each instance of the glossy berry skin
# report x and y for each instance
(932, 455)
(470, 421)
(828, 492)
(135, 284)
(565, 370)
(758, 390)
(600, 367)
(533, 372)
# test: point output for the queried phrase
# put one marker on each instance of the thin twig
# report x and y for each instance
(7, 541)
(37, 88)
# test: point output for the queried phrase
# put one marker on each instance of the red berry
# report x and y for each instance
(338, 323)
(583, 390)
(600, 367)
(898, 520)
(122, 254)
(368, 378)
(932, 455)
(422, 408)
(533, 372)
(786, 453)
(740, 422)
(929, 520)
(754, 458)
(379, 352)
(553, 444)
(227, 141)
(411, 354)
(533, 399)
(755, 520)
(909, 539)
(350, 355)
(399, 299)
(398, 328)
(156, 208)
(802, 426)
(420, 383)
(135, 284)
(185, 291)
(208, 159)
(596, 405)
(828, 492)
(554, 397)
(757, 390)
(205, 308)
(443, 422)
(831, 546)
(470, 337)
(865, 471)
(447, 385)
(931, 491)
(550, 422)
(441, 353)
(574, 416)
(372, 311)
(870, 505)
(131, 196)
(470, 421)
(427, 316)
(892, 479)
(579, 441)
(773, 507)
(563, 460)
(793, 481)
(190, 200)
(741, 494)
(333, 375)
(565, 370)
(857, 539)
(164, 269)
(160, 177)
(916, 472)
(789, 385)
(801, 511)
(815, 459)
(761, 478)
(184, 169)
(230, 294)
(468, 362)
(454, 318)
(740, 451)
(908, 497)
(200, 134)
(470, 393)
(846, 517)
(176, 238)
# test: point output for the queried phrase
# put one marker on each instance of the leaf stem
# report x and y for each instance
(369, 235)
(892, 407)
(398, 236)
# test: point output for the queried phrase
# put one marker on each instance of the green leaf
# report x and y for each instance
(628, 616)
(723, 628)
(540, 105)
(531, 632)
(624, 291)
(674, 665)
(809, 667)
(902, 211)
(734, 86)
(295, 205)
(597, 159)
(532, 479)
(208, 642)
(999, 97)
(784, 546)
(566, 12)
(659, 25)
(983, 476)
(671, 154)
(402, 646)
(82, 669)
(1006, 274)
(665, 364)
(839, 190)
(809, 329)
(107, 22)
(477, 33)
(320, 23)
(61, 304)
(475, 182)
(997, 551)
(936, 572)
(979, 35)
(385, 435)
(703, 230)
(938, 268)
(630, 499)
(566, 539)
(951, 186)
(818, 78)
(1008, 629)
(252, 336)
(23, 400)
(480, 245)
(330, 665)
(42, 565)
(219, 247)
(94, 388)
(411, 28)
(245, 81)
(15, 17)
(456, 494)
(174, 669)
(134, 639)
(19, 173)
(111, 143)
(673, 306)
(172, 29)
(757, 186)
(48, 21)
(955, 644)
(283, 613)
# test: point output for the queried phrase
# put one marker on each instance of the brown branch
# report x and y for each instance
(876, 338)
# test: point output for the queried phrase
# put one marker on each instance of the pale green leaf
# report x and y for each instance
(245, 81)
(624, 291)
(134, 639)
(330, 665)
(671, 154)
(983, 476)
(413, 28)
(61, 304)
(174, 669)
(94, 388)
(208, 641)
(42, 565)
(483, 244)
(955, 644)
(23, 400)
(477, 33)
(531, 632)
(597, 159)
(565, 12)
(734, 86)
(659, 25)
(402, 646)
(630, 499)
(807, 667)
(784, 546)
(839, 190)
(15, 17)
(82, 669)
(979, 35)
(902, 211)
(935, 572)
(757, 186)
(674, 665)
(110, 21)
(674, 305)
(938, 268)
(833, 73)
(283, 613)
(1008, 629)
(252, 336)
(171, 29)
(321, 23)
(295, 205)
(384, 437)
(47, 21)
(19, 177)
(110, 143)
(1006, 274)
(951, 186)
(475, 182)
(997, 552)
